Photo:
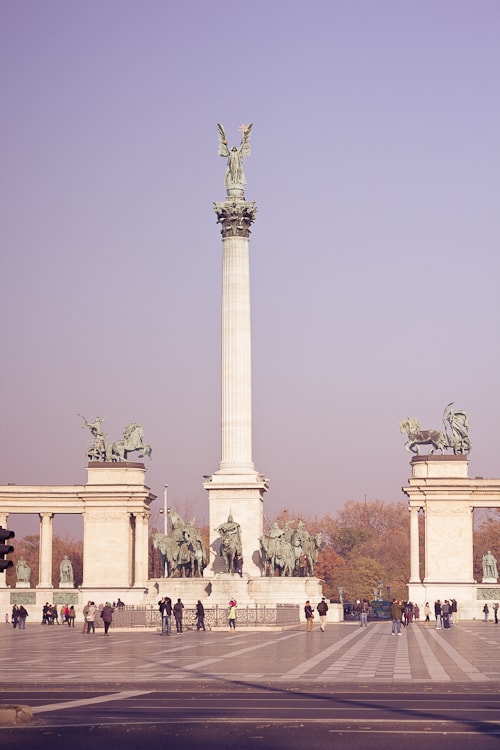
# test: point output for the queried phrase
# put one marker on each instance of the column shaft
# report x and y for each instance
(414, 546)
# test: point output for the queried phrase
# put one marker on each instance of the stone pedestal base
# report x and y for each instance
(242, 497)
(66, 585)
(23, 585)
(248, 591)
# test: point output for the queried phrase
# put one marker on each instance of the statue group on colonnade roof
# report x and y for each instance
(102, 450)
(457, 439)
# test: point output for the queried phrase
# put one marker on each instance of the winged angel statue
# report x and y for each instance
(235, 177)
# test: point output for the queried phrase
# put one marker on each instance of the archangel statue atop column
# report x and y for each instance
(235, 177)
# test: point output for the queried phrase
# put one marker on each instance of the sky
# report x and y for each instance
(374, 257)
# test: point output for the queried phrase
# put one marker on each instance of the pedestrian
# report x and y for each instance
(396, 616)
(15, 616)
(437, 614)
(309, 616)
(162, 606)
(232, 615)
(7, 618)
(84, 613)
(365, 608)
(445, 613)
(486, 611)
(90, 618)
(71, 617)
(63, 614)
(453, 611)
(23, 614)
(107, 616)
(427, 613)
(178, 607)
(200, 616)
(495, 612)
(322, 610)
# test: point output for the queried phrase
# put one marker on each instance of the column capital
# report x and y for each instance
(235, 217)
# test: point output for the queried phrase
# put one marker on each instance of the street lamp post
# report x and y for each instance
(165, 526)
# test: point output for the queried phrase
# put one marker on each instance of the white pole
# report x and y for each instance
(165, 509)
(165, 525)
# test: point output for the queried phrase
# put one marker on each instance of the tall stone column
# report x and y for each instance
(236, 489)
(45, 565)
(414, 546)
(141, 549)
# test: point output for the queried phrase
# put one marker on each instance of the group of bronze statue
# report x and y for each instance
(284, 551)
(289, 551)
(455, 439)
(183, 552)
(103, 450)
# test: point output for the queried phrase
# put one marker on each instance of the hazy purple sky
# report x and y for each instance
(374, 257)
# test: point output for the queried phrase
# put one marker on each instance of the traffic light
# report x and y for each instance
(5, 549)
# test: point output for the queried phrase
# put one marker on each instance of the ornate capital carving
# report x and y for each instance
(235, 217)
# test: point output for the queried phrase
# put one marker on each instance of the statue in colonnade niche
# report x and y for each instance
(66, 570)
(23, 571)
(490, 569)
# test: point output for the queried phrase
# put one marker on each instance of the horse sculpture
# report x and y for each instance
(277, 555)
(133, 440)
(183, 552)
(310, 548)
(418, 437)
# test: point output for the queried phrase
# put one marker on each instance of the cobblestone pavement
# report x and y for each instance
(468, 653)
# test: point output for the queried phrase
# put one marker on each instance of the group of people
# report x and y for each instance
(66, 615)
(177, 610)
(486, 612)
(91, 611)
(445, 613)
(322, 609)
(167, 610)
(19, 615)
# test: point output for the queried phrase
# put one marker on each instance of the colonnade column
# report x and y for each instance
(3, 523)
(141, 549)
(414, 545)
(45, 566)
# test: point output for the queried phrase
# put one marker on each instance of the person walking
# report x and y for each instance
(396, 616)
(495, 612)
(445, 613)
(23, 614)
(365, 608)
(437, 614)
(15, 616)
(178, 607)
(200, 616)
(165, 607)
(486, 611)
(232, 615)
(107, 616)
(90, 618)
(427, 613)
(71, 617)
(322, 610)
(309, 616)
